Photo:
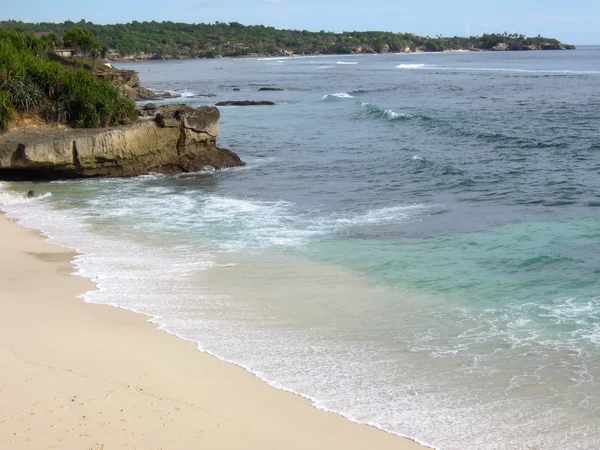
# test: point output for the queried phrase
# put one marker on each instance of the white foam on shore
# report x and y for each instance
(162, 283)
(347, 365)
(347, 63)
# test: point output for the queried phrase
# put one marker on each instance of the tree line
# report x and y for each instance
(170, 39)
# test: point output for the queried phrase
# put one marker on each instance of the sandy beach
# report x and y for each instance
(84, 376)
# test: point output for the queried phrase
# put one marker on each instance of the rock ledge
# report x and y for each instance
(169, 139)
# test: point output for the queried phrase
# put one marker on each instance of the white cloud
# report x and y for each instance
(467, 29)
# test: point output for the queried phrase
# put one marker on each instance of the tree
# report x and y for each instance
(50, 41)
(79, 40)
(103, 50)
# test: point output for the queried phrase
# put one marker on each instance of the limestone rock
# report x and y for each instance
(177, 139)
(500, 47)
(129, 83)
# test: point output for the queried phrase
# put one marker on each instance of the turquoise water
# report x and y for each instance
(413, 244)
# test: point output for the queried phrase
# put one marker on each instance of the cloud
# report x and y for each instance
(467, 29)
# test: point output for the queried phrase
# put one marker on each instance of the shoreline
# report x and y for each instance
(138, 386)
(319, 55)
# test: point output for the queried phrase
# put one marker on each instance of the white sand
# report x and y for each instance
(84, 376)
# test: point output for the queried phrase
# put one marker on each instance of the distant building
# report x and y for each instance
(64, 52)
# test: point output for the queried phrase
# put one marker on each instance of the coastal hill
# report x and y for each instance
(70, 118)
(167, 40)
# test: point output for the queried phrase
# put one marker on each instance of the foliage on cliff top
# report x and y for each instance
(235, 39)
(32, 82)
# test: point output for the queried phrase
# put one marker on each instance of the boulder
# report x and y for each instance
(176, 139)
(263, 89)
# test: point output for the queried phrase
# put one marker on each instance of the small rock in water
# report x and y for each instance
(31, 194)
(236, 89)
(244, 103)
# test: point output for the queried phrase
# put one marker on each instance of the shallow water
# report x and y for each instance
(413, 244)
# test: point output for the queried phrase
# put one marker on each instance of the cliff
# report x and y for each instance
(169, 139)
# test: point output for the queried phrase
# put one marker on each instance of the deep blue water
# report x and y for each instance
(414, 243)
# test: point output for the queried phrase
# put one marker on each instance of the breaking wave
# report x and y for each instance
(339, 95)
(369, 110)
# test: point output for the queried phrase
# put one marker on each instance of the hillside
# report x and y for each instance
(36, 84)
(160, 40)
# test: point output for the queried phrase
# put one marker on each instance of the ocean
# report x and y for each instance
(414, 243)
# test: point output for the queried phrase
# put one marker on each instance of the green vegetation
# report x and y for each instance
(82, 42)
(6, 110)
(31, 81)
(235, 39)
(79, 39)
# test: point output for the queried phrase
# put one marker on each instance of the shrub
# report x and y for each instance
(6, 110)
(25, 94)
(29, 79)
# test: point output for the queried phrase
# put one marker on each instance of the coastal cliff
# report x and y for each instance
(168, 139)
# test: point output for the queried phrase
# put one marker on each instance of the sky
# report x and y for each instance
(574, 22)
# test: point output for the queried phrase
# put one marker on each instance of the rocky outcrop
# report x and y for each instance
(245, 103)
(518, 46)
(169, 139)
(500, 47)
(129, 82)
(555, 46)
(266, 89)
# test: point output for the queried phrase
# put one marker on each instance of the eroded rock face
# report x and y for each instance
(129, 83)
(170, 139)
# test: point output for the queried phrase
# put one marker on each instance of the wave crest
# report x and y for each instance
(413, 66)
(375, 112)
(339, 95)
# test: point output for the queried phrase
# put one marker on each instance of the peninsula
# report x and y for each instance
(169, 40)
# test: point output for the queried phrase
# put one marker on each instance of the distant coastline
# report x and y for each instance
(152, 57)
(142, 41)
